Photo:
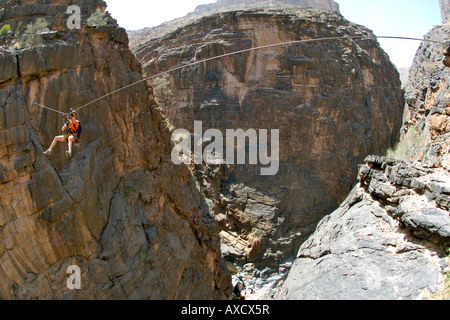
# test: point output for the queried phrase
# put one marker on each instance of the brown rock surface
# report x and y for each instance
(227, 5)
(119, 209)
(390, 238)
(334, 102)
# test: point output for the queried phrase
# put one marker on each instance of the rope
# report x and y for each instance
(199, 62)
(238, 52)
(48, 108)
(412, 39)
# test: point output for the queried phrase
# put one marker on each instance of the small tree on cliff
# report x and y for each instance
(32, 34)
(6, 29)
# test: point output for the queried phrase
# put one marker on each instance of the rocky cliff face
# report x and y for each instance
(386, 241)
(134, 223)
(390, 238)
(141, 36)
(427, 96)
(445, 10)
(334, 103)
(227, 5)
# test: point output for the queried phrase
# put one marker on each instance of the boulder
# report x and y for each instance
(378, 245)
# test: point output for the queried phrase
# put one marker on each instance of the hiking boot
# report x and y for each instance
(69, 154)
(48, 152)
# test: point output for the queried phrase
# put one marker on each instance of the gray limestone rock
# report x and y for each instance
(373, 247)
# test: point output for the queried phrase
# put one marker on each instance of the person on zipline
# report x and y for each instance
(73, 128)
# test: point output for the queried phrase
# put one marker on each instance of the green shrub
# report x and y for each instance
(410, 147)
(98, 19)
(161, 89)
(128, 190)
(31, 35)
(5, 30)
(39, 26)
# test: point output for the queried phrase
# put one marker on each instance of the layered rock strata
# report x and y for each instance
(119, 209)
(227, 5)
(334, 103)
(138, 37)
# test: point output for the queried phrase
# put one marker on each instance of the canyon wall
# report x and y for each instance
(390, 238)
(227, 5)
(333, 101)
(138, 37)
(427, 93)
(445, 10)
(134, 223)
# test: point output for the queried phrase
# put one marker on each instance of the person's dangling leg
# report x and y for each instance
(55, 140)
(70, 140)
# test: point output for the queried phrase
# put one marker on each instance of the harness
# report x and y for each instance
(74, 129)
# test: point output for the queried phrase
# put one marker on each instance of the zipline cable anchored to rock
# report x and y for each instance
(238, 52)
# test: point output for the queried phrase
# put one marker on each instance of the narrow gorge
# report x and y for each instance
(390, 238)
(337, 220)
(334, 102)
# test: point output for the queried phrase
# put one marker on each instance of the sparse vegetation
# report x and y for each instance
(5, 30)
(169, 124)
(444, 292)
(258, 232)
(128, 190)
(31, 35)
(161, 88)
(98, 19)
(410, 147)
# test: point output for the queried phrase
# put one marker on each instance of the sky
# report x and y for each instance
(406, 18)
(409, 18)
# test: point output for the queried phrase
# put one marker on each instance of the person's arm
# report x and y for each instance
(66, 123)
